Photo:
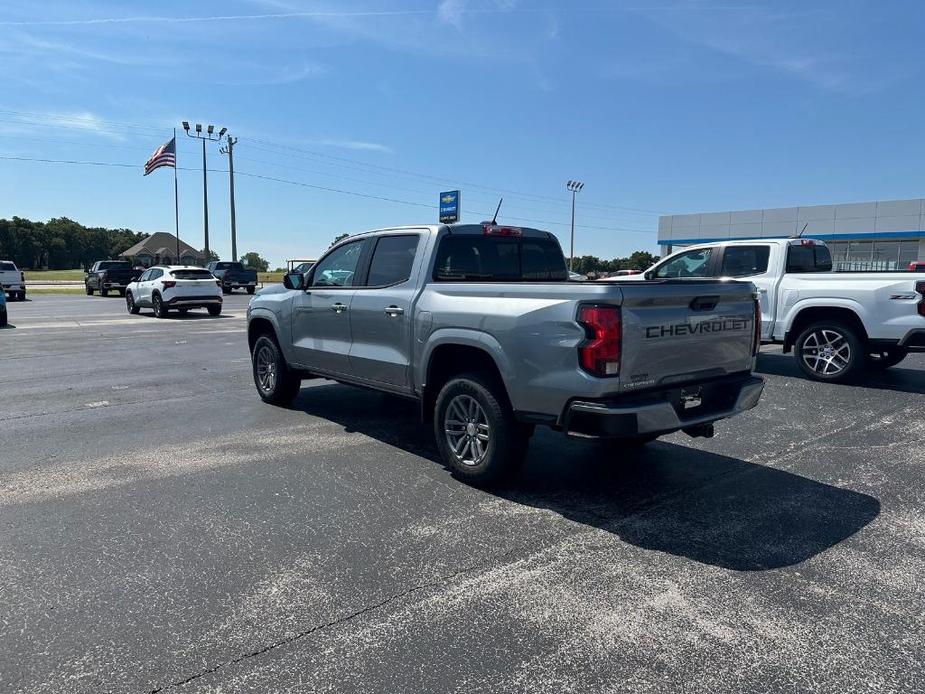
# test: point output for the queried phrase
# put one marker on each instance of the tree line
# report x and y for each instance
(61, 243)
(591, 264)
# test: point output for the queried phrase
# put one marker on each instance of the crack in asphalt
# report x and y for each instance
(443, 580)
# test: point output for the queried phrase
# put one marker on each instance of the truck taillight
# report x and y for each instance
(495, 230)
(168, 284)
(757, 345)
(920, 288)
(600, 353)
(22, 277)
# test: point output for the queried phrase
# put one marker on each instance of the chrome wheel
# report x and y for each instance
(465, 425)
(266, 369)
(826, 352)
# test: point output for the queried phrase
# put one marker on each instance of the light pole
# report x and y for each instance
(229, 150)
(575, 187)
(210, 136)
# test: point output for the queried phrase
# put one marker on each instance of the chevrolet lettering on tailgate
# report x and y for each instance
(712, 326)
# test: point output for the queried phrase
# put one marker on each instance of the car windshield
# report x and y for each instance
(115, 265)
(229, 266)
(7, 267)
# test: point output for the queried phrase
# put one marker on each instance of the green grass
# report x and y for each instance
(52, 275)
(53, 290)
(270, 277)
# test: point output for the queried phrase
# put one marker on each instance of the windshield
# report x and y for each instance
(229, 266)
(475, 258)
(7, 267)
(115, 265)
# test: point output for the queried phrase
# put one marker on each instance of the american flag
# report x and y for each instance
(165, 155)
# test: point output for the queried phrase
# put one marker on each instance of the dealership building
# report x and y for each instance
(885, 235)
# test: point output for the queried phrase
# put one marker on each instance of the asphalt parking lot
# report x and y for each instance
(162, 529)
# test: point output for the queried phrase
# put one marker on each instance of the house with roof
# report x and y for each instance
(160, 248)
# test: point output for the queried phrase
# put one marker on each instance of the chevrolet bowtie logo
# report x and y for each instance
(448, 199)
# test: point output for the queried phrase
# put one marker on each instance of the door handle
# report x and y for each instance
(394, 310)
(339, 307)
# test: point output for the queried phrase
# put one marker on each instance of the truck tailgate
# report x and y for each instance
(675, 331)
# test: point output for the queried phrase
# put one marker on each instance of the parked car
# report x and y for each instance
(301, 265)
(180, 287)
(481, 326)
(110, 275)
(3, 317)
(917, 266)
(12, 280)
(838, 322)
(233, 276)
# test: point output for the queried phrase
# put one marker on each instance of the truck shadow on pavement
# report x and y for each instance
(704, 506)
(896, 378)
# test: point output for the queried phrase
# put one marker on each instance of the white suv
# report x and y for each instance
(179, 287)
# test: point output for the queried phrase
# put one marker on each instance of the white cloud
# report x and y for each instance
(356, 145)
(73, 121)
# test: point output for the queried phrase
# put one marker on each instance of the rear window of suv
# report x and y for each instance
(229, 266)
(193, 275)
(473, 258)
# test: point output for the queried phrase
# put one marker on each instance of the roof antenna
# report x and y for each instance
(800, 235)
(494, 220)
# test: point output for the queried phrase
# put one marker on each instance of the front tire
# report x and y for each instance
(130, 304)
(476, 433)
(89, 290)
(881, 360)
(830, 352)
(160, 309)
(276, 383)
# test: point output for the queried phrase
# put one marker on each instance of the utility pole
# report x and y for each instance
(229, 150)
(208, 136)
(575, 187)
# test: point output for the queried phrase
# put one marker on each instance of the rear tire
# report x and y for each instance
(3, 318)
(251, 290)
(130, 304)
(830, 352)
(215, 311)
(226, 290)
(104, 291)
(477, 435)
(881, 360)
(276, 383)
(160, 310)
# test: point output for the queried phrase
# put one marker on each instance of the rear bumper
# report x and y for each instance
(14, 287)
(914, 341)
(662, 411)
(193, 301)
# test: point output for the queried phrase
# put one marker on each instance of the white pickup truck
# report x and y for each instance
(12, 280)
(838, 322)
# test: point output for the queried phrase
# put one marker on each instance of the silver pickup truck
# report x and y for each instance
(480, 324)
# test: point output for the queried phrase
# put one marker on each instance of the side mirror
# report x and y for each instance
(649, 275)
(293, 280)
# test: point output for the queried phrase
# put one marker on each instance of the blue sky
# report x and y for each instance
(667, 106)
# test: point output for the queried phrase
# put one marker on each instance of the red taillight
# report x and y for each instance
(493, 230)
(22, 277)
(757, 345)
(167, 284)
(600, 354)
(920, 288)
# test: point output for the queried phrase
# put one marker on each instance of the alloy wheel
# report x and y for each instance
(826, 352)
(266, 369)
(467, 431)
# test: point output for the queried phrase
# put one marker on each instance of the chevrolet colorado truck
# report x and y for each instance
(838, 323)
(233, 276)
(110, 275)
(481, 326)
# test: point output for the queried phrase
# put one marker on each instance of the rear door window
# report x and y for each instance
(392, 260)
(809, 258)
(743, 261)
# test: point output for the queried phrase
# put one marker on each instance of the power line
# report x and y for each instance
(352, 193)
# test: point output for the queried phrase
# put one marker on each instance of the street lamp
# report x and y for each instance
(210, 136)
(575, 188)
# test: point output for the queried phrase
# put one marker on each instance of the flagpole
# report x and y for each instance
(176, 198)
